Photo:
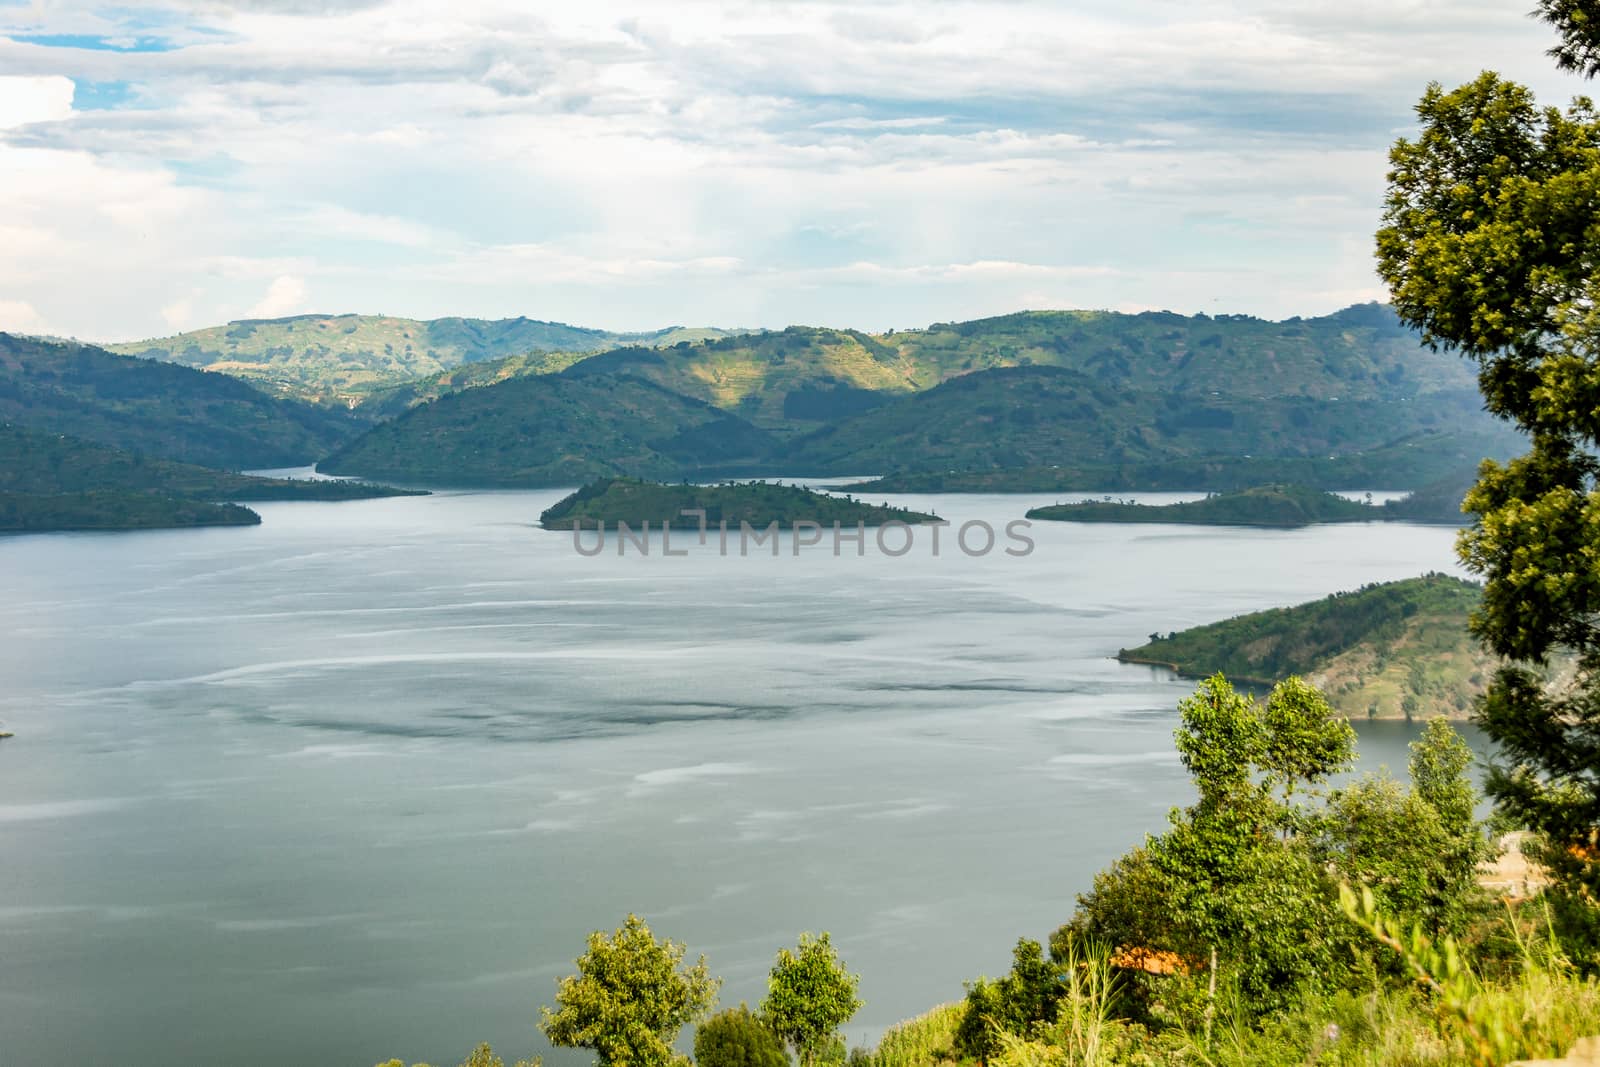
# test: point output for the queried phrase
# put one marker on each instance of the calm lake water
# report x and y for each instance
(357, 782)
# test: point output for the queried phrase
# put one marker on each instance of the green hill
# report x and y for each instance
(1392, 649)
(110, 509)
(43, 464)
(342, 358)
(159, 409)
(760, 504)
(1426, 462)
(553, 430)
(1263, 505)
(1047, 416)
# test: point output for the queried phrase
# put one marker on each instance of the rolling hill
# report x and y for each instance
(553, 430)
(1042, 416)
(343, 358)
(1387, 650)
(159, 409)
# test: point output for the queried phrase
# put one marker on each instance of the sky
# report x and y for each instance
(631, 165)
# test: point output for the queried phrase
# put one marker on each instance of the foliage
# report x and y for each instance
(1489, 247)
(1417, 849)
(630, 998)
(635, 502)
(1371, 647)
(159, 409)
(926, 1041)
(809, 996)
(737, 1038)
(1305, 742)
(1579, 26)
(1013, 1004)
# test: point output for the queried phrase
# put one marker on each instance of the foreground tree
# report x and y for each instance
(1491, 246)
(809, 996)
(738, 1038)
(630, 998)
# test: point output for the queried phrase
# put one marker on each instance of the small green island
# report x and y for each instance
(760, 504)
(1389, 650)
(1283, 506)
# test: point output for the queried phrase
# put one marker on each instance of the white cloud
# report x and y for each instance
(285, 296)
(30, 99)
(724, 161)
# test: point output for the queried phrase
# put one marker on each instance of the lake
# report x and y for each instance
(356, 783)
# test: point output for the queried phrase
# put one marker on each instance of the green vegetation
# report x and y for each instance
(1265, 505)
(738, 1038)
(158, 409)
(627, 500)
(809, 996)
(1489, 247)
(552, 430)
(1043, 416)
(1424, 461)
(109, 509)
(43, 464)
(344, 358)
(630, 998)
(1389, 649)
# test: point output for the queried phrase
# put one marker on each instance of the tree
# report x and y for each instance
(1221, 738)
(737, 1038)
(1491, 246)
(1306, 743)
(630, 998)
(809, 996)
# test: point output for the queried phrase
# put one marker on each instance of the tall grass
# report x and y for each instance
(926, 1041)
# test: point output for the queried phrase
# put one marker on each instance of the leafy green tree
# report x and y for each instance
(1490, 247)
(1579, 25)
(1029, 994)
(1221, 738)
(810, 995)
(738, 1038)
(630, 998)
(1306, 742)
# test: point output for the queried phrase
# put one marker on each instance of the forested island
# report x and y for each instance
(111, 509)
(1282, 506)
(1389, 650)
(760, 504)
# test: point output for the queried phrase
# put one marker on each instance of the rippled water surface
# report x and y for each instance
(356, 783)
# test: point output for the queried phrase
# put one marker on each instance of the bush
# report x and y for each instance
(737, 1038)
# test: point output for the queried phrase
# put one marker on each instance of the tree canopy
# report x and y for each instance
(630, 998)
(810, 995)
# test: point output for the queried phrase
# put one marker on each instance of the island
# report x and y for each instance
(110, 509)
(1388, 650)
(1281, 506)
(760, 504)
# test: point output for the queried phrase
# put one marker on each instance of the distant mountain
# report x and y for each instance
(1043, 416)
(159, 409)
(553, 430)
(795, 380)
(343, 358)
(1392, 649)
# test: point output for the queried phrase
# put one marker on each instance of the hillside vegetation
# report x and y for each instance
(1433, 460)
(1277, 505)
(552, 430)
(44, 464)
(342, 358)
(760, 504)
(1263, 505)
(110, 509)
(1386, 650)
(159, 409)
